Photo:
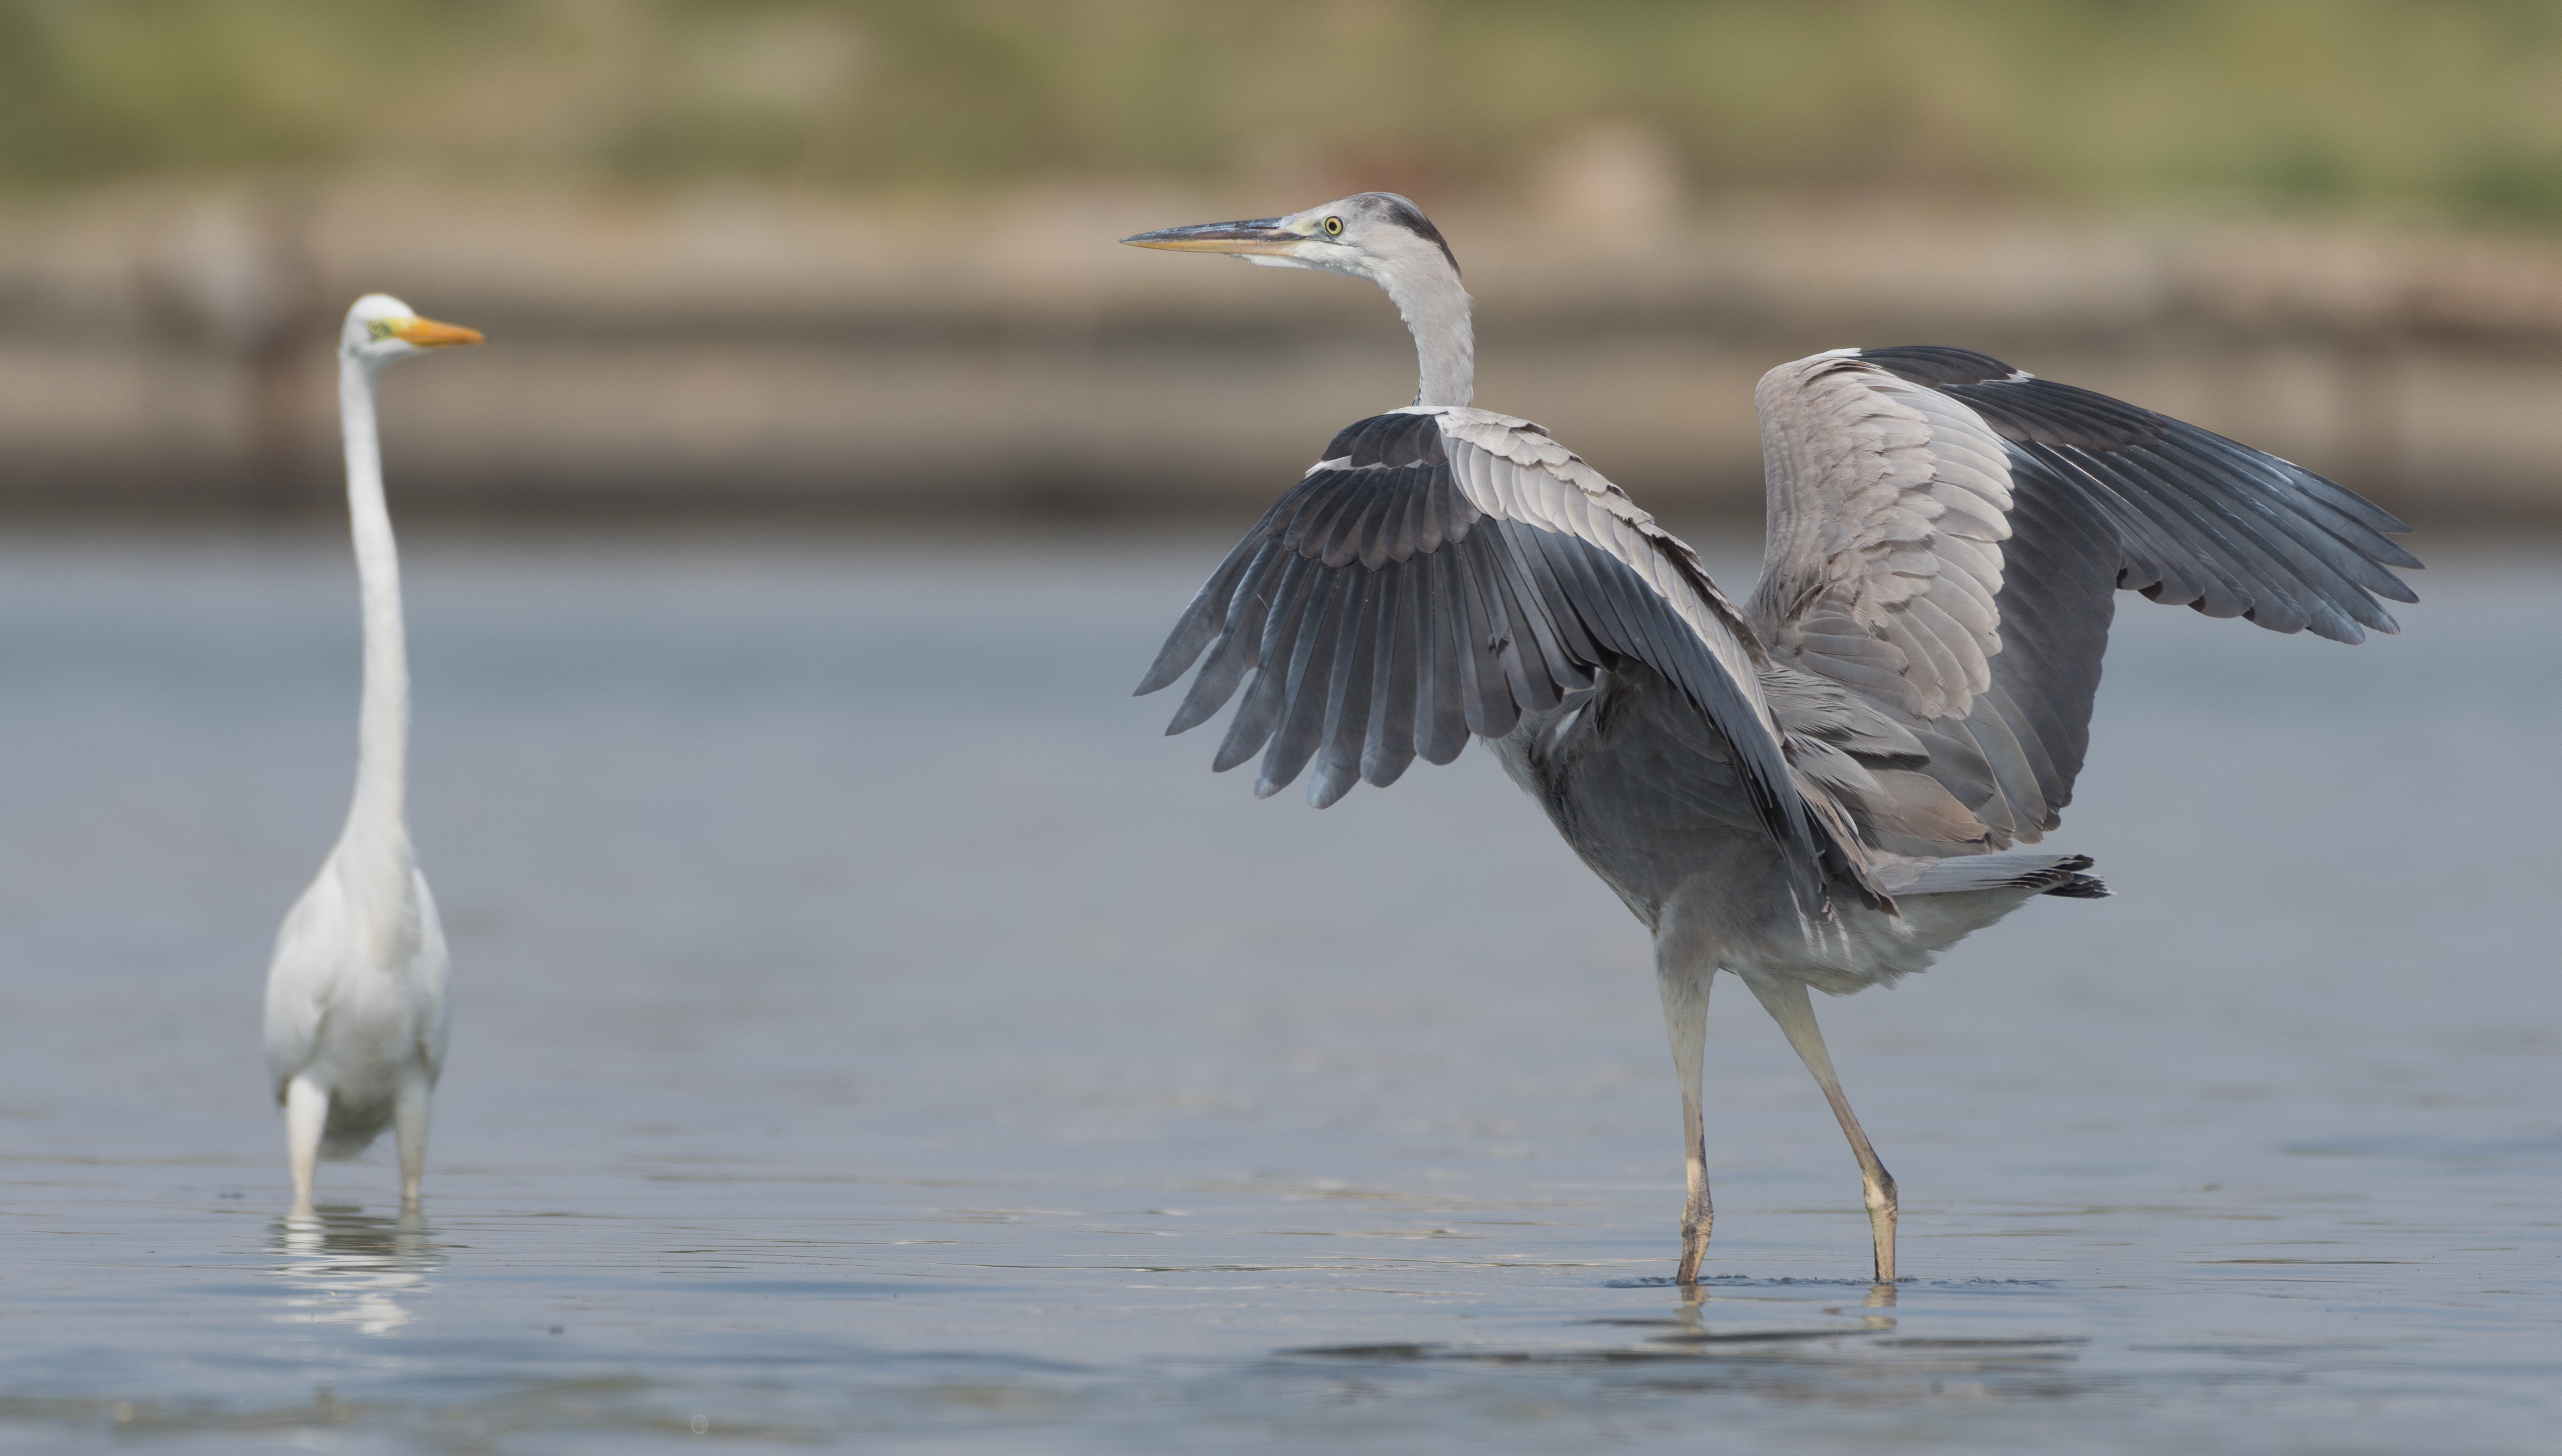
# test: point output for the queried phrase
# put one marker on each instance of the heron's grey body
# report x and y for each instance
(1645, 792)
(1822, 789)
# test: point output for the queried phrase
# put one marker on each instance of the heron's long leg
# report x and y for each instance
(306, 1111)
(1785, 1000)
(409, 1122)
(1684, 984)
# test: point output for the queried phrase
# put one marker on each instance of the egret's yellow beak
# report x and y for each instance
(1259, 235)
(427, 333)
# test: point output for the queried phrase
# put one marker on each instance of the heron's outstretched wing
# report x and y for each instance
(1440, 572)
(1946, 535)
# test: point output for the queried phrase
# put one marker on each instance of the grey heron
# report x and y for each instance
(356, 1011)
(1821, 788)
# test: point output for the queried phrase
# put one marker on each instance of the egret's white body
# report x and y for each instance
(356, 1009)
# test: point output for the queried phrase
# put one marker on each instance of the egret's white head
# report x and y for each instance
(381, 329)
(1378, 236)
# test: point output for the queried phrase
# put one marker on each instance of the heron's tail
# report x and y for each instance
(2041, 871)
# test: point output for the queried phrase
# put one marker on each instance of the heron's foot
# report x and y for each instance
(1881, 1227)
(1695, 1230)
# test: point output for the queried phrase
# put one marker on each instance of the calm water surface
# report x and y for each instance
(870, 1032)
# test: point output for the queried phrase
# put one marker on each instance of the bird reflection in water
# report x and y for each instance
(1690, 1316)
(1880, 1297)
(345, 1266)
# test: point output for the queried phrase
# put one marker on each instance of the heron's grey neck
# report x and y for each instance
(1427, 293)
(382, 734)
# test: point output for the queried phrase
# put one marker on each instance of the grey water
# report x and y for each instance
(871, 1032)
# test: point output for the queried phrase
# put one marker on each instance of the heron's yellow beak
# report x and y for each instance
(1260, 235)
(427, 333)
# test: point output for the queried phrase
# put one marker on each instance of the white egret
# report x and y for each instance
(356, 993)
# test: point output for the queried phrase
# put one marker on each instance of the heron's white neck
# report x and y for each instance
(374, 818)
(1428, 293)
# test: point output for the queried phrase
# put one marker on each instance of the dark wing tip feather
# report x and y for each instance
(1170, 665)
(1197, 629)
(2206, 522)
(2024, 408)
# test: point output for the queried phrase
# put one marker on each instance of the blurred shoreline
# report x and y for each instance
(166, 349)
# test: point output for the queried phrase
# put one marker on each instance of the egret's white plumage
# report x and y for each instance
(356, 993)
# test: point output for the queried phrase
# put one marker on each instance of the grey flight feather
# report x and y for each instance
(1946, 536)
(1442, 572)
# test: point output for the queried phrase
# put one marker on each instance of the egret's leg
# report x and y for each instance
(1684, 984)
(306, 1111)
(408, 1124)
(1785, 1000)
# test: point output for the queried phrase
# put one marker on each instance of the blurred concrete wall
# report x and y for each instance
(743, 349)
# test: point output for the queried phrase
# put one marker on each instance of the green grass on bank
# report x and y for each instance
(2437, 107)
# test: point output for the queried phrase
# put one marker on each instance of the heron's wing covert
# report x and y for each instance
(1440, 572)
(1946, 535)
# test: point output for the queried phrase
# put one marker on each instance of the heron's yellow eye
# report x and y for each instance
(1334, 226)
(381, 329)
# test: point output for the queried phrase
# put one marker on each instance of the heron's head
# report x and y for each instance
(381, 329)
(1378, 236)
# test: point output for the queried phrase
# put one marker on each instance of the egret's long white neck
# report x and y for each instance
(382, 734)
(1428, 293)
